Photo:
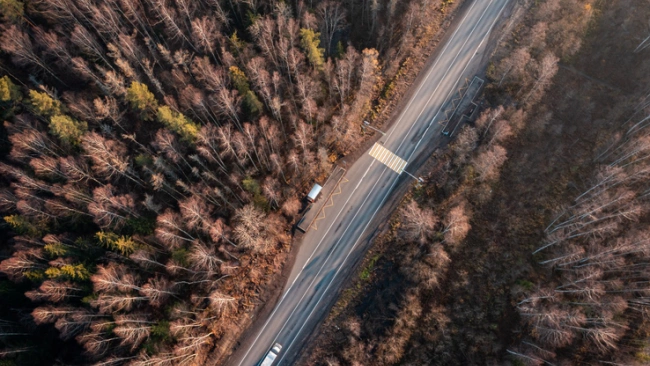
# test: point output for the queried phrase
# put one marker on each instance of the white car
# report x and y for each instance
(271, 356)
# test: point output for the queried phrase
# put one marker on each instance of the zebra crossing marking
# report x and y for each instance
(386, 157)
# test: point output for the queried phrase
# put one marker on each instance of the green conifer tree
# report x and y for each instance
(252, 104)
(340, 50)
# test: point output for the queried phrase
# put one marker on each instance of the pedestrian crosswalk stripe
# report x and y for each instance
(386, 157)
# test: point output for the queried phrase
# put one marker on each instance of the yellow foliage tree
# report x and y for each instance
(71, 271)
(67, 129)
(237, 44)
(12, 10)
(44, 105)
(123, 244)
(239, 80)
(310, 40)
(142, 100)
(22, 226)
(9, 92)
(55, 249)
(178, 123)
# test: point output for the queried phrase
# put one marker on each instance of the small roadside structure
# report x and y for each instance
(462, 107)
(313, 194)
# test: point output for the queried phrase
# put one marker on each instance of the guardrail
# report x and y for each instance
(464, 98)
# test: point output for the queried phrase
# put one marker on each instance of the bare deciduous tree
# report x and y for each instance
(50, 314)
(132, 329)
(204, 35)
(488, 163)
(195, 212)
(158, 290)
(418, 223)
(111, 303)
(54, 291)
(170, 231)
(114, 277)
(95, 343)
(109, 209)
(17, 43)
(222, 303)
(204, 259)
(250, 232)
(332, 19)
(108, 156)
(547, 69)
(456, 225)
(22, 262)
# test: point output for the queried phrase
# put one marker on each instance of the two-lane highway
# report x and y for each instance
(327, 251)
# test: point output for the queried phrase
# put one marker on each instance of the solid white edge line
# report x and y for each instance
(379, 207)
(443, 77)
(288, 346)
(466, 66)
(277, 307)
(323, 266)
(389, 135)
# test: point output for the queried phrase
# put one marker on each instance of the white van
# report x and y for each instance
(272, 355)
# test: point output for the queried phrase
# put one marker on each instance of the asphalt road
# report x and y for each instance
(328, 249)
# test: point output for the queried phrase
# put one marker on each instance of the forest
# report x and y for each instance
(153, 157)
(528, 243)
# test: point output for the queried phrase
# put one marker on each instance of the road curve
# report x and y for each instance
(327, 249)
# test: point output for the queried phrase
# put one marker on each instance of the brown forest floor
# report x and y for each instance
(549, 164)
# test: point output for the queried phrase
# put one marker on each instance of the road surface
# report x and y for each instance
(331, 244)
